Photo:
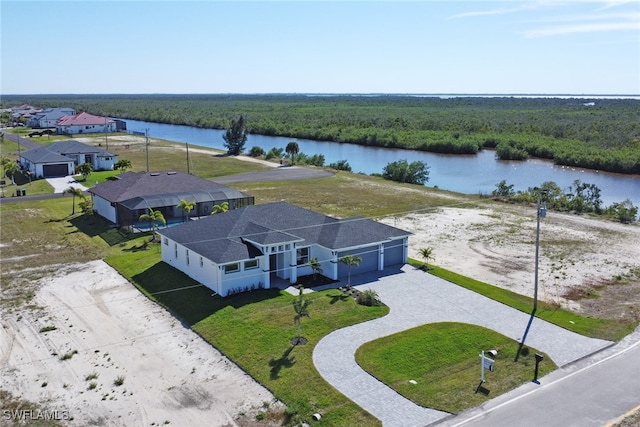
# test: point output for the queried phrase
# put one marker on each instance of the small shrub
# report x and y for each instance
(92, 385)
(341, 165)
(256, 151)
(48, 328)
(91, 376)
(369, 297)
(68, 355)
(119, 381)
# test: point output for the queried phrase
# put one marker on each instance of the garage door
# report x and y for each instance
(369, 261)
(393, 252)
(55, 170)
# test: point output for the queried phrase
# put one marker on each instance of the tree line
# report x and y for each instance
(601, 134)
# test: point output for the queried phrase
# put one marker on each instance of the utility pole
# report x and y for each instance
(542, 212)
(188, 162)
(146, 136)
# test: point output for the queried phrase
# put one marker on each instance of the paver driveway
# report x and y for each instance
(417, 298)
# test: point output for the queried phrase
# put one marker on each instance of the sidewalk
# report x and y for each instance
(417, 298)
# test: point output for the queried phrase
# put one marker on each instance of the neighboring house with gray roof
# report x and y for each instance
(61, 158)
(246, 248)
(132, 194)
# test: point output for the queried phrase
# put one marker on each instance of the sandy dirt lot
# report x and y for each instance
(108, 329)
(578, 254)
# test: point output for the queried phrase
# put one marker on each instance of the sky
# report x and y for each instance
(578, 47)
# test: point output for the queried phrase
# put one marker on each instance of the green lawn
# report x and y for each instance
(442, 358)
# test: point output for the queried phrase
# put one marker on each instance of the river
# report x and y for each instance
(470, 174)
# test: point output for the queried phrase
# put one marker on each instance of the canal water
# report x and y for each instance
(470, 174)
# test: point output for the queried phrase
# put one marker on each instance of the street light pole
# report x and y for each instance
(541, 213)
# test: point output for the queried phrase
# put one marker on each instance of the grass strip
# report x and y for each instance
(612, 330)
(437, 365)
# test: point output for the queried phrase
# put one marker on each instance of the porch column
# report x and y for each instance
(266, 274)
(381, 257)
(293, 266)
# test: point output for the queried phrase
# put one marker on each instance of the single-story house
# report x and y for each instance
(247, 248)
(49, 117)
(61, 158)
(132, 194)
(84, 123)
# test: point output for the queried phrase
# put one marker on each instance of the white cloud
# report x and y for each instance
(583, 28)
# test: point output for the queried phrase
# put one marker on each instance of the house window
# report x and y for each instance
(175, 249)
(280, 248)
(249, 265)
(287, 247)
(231, 268)
(302, 255)
(186, 251)
(166, 241)
(201, 262)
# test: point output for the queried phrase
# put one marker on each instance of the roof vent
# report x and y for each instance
(154, 174)
(171, 173)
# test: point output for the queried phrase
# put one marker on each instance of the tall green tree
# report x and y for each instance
(301, 307)
(350, 261)
(292, 150)
(155, 218)
(402, 171)
(75, 192)
(122, 165)
(186, 207)
(85, 170)
(236, 136)
(221, 208)
(316, 267)
(427, 254)
(10, 169)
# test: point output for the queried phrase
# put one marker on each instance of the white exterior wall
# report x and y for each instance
(104, 209)
(101, 128)
(101, 163)
(244, 279)
(327, 260)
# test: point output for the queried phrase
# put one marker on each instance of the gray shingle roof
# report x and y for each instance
(227, 237)
(143, 189)
(58, 151)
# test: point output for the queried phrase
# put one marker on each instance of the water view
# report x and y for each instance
(470, 174)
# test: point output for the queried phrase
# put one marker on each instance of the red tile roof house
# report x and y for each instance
(84, 123)
(249, 248)
(61, 157)
(131, 194)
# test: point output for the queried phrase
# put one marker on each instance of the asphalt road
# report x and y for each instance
(595, 391)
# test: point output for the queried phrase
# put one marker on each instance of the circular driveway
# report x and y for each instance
(416, 298)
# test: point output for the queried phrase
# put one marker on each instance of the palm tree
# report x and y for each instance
(221, 208)
(301, 307)
(427, 254)
(292, 149)
(315, 266)
(186, 206)
(85, 170)
(10, 169)
(75, 192)
(350, 261)
(123, 165)
(154, 217)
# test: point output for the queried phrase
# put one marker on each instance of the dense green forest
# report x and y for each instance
(601, 134)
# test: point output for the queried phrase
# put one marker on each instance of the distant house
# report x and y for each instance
(132, 194)
(248, 248)
(84, 123)
(61, 158)
(49, 117)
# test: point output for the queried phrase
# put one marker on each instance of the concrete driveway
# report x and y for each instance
(60, 184)
(416, 298)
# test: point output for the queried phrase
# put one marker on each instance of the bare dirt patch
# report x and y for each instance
(99, 349)
(586, 264)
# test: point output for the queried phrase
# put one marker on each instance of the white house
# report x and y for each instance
(131, 194)
(49, 117)
(84, 123)
(247, 248)
(61, 158)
